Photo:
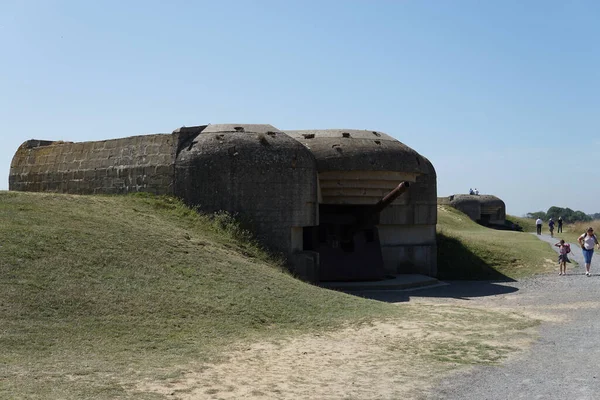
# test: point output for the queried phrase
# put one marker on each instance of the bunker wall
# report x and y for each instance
(133, 164)
(471, 208)
(407, 230)
(270, 181)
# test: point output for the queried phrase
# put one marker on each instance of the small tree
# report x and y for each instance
(567, 214)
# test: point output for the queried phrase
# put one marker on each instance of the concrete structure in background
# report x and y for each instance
(483, 209)
(307, 194)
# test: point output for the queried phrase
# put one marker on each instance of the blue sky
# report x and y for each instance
(502, 96)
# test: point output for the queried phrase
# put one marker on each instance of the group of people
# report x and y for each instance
(551, 225)
(474, 191)
(587, 241)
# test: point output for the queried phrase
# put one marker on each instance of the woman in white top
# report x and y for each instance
(587, 241)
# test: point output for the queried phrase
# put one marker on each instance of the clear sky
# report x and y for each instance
(503, 96)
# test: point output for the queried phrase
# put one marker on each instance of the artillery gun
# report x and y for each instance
(348, 241)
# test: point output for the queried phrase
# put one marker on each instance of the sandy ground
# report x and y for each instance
(351, 364)
(387, 360)
(458, 351)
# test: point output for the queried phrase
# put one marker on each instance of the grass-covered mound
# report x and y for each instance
(138, 280)
(527, 224)
(127, 297)
(467, 250)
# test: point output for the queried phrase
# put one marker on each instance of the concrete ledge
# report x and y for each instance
(399, 282)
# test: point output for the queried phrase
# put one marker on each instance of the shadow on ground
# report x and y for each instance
(463, 290)
(465, 275)
(455, 261)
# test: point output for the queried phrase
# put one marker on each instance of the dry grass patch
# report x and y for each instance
(387, 359)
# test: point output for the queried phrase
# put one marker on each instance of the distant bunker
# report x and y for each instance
(330, 200)
(483, 209)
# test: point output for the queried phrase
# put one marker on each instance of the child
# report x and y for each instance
(564, 249)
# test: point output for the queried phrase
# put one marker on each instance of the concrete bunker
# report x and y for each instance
(329, 200)
(362, 236)
(486, 210)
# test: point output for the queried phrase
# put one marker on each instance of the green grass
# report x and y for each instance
(467, 250)
(528, 224)
(137, 281)
(99, 293)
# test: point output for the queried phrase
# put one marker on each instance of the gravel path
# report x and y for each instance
(563, 363)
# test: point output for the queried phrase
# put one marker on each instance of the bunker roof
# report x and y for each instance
(251, 128)
(360, 150)
(482, 199)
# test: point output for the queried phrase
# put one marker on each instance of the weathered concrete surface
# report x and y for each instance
(359, 150)
(360, 167)
(399, 282)
(133, 164)
(256, 171)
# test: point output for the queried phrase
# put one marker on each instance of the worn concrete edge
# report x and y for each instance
(370, 286)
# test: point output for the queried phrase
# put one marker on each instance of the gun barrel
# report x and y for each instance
(390, 197)
(367, 218)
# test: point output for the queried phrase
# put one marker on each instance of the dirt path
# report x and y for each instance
(563, 363)
(352, 364)
(426, 355)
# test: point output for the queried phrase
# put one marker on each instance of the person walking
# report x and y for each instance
(538, 225)
(560, 222)
(551, 226)
(563, 259)
(587, 241)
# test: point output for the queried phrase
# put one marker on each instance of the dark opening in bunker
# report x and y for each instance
(485, 219)
(347, 242)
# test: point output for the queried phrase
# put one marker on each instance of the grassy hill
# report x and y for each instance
(146, 277)
(528, 224)
(65, 254)
(467, 250)
(99, 293)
